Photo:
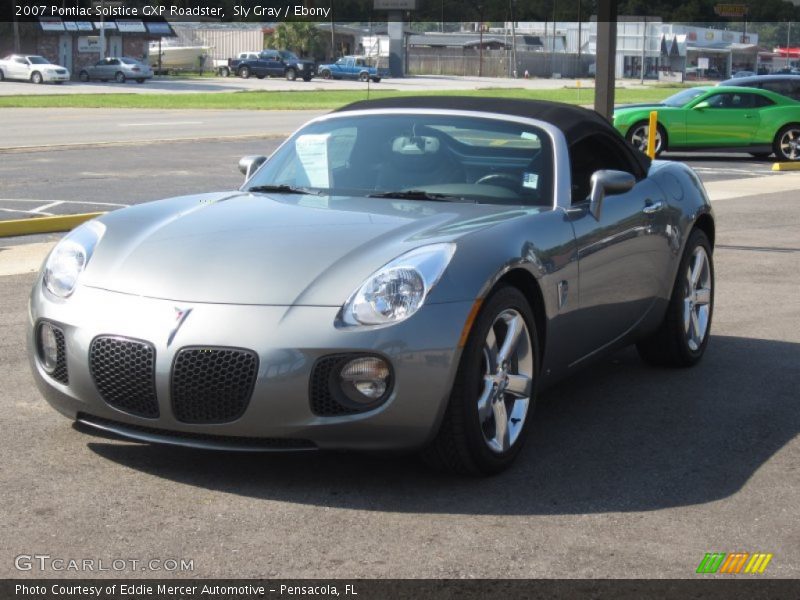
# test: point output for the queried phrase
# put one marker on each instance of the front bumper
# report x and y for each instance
(54, 76)
(423, 352)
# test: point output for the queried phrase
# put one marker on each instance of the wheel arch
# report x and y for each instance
(646, 121)
(526, 283)
(705, 223)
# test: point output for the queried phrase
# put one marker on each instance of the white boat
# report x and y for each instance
(177, 57)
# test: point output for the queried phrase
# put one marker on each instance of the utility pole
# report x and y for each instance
(580, 41)
(513, 38)
(644, 49)
(333, 35)
(102, 31)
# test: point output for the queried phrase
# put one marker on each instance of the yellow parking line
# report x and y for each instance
(44, 224)
(786, 166)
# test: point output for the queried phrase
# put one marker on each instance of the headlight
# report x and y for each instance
(70, 257)
(398, 289)
(300, 66)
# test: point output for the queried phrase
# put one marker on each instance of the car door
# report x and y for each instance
(622, 255)
(20, 68)
(722, 119)
(98, 71)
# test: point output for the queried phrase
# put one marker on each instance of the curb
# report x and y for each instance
(786, 166)
(44, 224)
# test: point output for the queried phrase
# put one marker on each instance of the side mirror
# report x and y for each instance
(701, 105)
(608, 182)
(249, 165)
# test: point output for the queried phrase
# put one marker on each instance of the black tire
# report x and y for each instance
(363, 76)
(782, 151)
(225, 72)
(460, 445)
(36, 77)
(661, 132)
(760, 154)
(670, 346)
(119, 77)
(244, 72)
(260, 76)
(307, 78)
(2, 75)
(84, 76)
(325, 74)
(140, 80)
(376, 79)
(291, 74)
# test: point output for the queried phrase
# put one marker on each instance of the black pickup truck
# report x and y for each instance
(274, 63)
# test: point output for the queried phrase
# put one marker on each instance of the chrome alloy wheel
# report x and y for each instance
(640, 135)
(697, 299)
(507, 380)
(790, 144)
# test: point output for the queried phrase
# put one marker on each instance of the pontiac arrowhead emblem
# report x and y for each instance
(180, 316)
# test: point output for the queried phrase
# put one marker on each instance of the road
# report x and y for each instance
(630, 471)
(236, 84)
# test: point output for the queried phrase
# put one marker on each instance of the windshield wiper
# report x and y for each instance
(418, 195)
(284, 189)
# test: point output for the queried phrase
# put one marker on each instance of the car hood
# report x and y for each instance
(242, 248)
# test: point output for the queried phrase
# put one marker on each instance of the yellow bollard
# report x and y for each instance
(651, 134)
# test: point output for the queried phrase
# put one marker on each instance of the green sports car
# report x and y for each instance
(713, 118)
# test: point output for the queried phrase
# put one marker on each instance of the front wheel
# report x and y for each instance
(225, 72)
(681, 339)
(244, 73)
(291, 74)
(307, 78)
(493, 395)
(639, 133)
(36, 77)
(2, 75)
(119, 77)
(787, 143)
(363, 77)
(83, 76)
(326, 74)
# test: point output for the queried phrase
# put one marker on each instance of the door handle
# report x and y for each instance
(748, 116)
(651, 208)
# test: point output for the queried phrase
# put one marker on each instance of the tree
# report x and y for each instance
(299, 37)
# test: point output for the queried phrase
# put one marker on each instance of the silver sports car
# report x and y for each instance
(402, 274)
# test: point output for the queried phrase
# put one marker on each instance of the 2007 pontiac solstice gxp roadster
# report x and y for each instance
(399, 274)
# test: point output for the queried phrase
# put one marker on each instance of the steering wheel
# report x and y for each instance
(505, 180)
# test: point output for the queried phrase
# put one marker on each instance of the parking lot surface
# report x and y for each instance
(630, 471)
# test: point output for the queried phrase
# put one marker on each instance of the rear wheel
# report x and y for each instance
(640, 132)
(681, 339)
(119, 77)
(787, 143)
(244, 72)
(307, 78)
(291, 74)
(2, 75)
(363, 76)
(225, 72)
(493, 395)
(83, 76)
(376, 79)
(36, 77)
(326, 74)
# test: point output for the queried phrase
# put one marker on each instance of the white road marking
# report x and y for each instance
(26, 212)
(39, 201)
(39, 209)
(159, 123)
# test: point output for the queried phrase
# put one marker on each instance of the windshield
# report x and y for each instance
(419, 157)
(286, 55)
(129, 61)
(38, 60)
(683, 97)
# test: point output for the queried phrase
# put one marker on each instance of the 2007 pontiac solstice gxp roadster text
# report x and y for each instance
(399, 274)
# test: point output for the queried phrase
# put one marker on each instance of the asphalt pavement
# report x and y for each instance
(630, 471)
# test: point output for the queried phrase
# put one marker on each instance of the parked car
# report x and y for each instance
(33, 68)
(118, 68)
(721, 118)
(227, 67)
(275, 63)
(350, 67)
(786, 85)
(401, 274)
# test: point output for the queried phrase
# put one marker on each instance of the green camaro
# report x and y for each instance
(712, 118)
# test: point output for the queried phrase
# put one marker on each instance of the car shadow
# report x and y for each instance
(620, 436)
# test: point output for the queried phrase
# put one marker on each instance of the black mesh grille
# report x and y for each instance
(323, 379)
(60, 373)
(212, 385)
(123, 370)
(232, 441)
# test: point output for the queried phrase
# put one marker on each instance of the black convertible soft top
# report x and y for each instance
(574, 121)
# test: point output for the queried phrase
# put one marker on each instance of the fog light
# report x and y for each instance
(48, 347)
(365, 379)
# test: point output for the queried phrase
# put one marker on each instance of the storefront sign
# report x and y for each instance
(89, 43)
(702, 63)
